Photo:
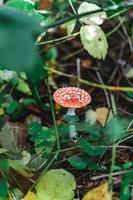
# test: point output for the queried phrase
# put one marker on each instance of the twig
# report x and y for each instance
(107, 175)
(92, 84)
(78, 72)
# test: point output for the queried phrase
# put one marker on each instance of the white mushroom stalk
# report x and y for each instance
(71, 112)
(71, 98)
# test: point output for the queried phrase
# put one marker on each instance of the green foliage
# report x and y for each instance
(43, 137)
(26, 6)
(79, 162)
(115, 129)
(94, 41)
(126, 192)
(56, 184)
(15, 109)
(94, 132)
(12, 107)
(84, 162)
(96, 18)
(17, 166)
(23, 87)
(17, 49)
(3, 188)
(91, 150)
(4, 166)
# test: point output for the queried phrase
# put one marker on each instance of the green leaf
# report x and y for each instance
(17, 166)
(78, 162)
(70, 26)
(4, 166)
(23, 87)
(2, 150)
(125, 192)
(27, 6)
(12, 107)
(114, 130)
(96, 18)
(35, 128)
(91, 150)
(3, 188)
(17, 49)
(56, 184)
(94, 41)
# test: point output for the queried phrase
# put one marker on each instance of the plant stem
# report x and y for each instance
(35, 92)
(53, 116)
(71, 4)
(112, 166)
(65, 38)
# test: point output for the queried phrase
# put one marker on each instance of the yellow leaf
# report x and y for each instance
(102, 114)
(30, 196)
(99, 193)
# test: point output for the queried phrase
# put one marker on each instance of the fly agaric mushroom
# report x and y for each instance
(71, 98)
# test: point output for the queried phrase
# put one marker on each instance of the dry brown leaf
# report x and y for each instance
(30, 196)
(45, 4)
(102, 114)
(99, 193)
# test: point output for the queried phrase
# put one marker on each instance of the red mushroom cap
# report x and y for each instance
(71, 97)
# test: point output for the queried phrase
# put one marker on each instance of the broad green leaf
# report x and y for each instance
(56, 184)
(70, 26)
(3, 189)
(126, 192)
(78, 162)
(91, 150)
(12, 107)
(94, 41)
(4, 166)
(17, 49)
(27, 6)
(23, 87)
(2, 150)
(96, 18)
(17, 166)
(84, 162)
(114, 130)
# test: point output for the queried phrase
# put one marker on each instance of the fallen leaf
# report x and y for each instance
(99, 193)
(102, 114)
(30, 196)
(56, 184)
(90, 116)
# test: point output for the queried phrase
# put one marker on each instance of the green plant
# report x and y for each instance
(27, 57)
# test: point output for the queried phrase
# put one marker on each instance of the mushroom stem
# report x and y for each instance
(72, 130)
(71, 111)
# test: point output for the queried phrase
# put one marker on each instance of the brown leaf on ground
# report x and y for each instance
(99, 193)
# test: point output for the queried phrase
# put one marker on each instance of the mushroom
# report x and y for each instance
(71, 98)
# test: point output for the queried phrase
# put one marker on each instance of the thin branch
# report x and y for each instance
(92, 84)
